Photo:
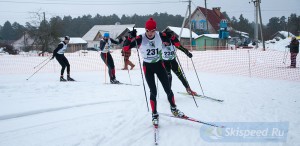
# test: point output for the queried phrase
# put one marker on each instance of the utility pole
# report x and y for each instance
(189, 22)
(190, 25)
(261, 30)
(256, 23)
(45, 34)
(24, 41)
(287, 28)
(206, 16)
(258, 15)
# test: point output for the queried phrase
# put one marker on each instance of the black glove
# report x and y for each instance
(169, 33)
(120, 40)
(133, 33)
(190, 55)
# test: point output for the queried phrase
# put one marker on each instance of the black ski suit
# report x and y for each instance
(107, 58)
(60, 57)
(152, 68)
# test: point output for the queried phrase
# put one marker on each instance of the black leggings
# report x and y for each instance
(63, 61)
(108, 60)
(157, 68)
(172, 64)
(293, 59)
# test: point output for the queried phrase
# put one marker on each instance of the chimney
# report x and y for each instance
(217, 11)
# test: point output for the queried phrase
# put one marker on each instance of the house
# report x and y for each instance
(26, 43)
(280, 35)
(75, 44)
(199, 24)
(95, 33)
(210, 42)
(23, 43)
(185, 35)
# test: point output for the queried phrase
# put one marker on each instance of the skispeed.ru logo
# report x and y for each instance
(246, 132)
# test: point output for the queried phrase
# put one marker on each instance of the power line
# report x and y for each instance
(93, 3)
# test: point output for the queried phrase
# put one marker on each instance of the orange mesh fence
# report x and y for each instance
(252, 63)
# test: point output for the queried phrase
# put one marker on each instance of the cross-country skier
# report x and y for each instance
(169, 58)
(105, 46)
(58, 53)
(150, 46)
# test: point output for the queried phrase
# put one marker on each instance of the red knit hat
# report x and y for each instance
(150, 24)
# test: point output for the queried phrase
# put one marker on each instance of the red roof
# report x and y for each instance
(212, 17)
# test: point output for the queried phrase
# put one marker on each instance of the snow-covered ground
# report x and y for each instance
(256, 86)
(44, 111)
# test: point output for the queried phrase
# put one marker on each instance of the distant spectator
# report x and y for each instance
(126, 55)
(294, 50)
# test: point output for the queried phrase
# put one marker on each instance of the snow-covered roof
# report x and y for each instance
(113, 30)
(75, 40)
(185, 32)
(214, 36)
(242, 33)
(286, 34)
(139, 30)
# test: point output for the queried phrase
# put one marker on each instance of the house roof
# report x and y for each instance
(113, 30)
(212, 17)
(285, 34)
(75, 40)
(139, 30)
(214, 36)
(185, 32)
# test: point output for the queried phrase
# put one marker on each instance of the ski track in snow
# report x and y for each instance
(6, 117)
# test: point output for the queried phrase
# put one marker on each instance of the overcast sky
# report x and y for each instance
(19, 10)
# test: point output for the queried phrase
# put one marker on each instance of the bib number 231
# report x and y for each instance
(152, 52)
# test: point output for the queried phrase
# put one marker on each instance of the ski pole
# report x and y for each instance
(142, 74)
(38, 69)
(129, 75)
(183, 74)
(157, 86)
(197, 77)
(41, 62)
(105, 67)
(127, 67)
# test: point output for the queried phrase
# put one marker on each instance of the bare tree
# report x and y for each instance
(39, 29)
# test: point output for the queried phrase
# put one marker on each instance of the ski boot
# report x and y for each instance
(155, 119)
(114, 81)
(191, 92)
(177, 113)
(62, 79)
(70, 79)
(132, 66)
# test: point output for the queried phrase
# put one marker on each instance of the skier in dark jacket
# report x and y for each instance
(150, 46)
(105, 46)
(169, 58)
(58, 53)
(294, 50)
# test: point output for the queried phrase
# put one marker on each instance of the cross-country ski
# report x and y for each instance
(201, 96)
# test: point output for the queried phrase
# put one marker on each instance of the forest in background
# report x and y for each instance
(47, 31)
